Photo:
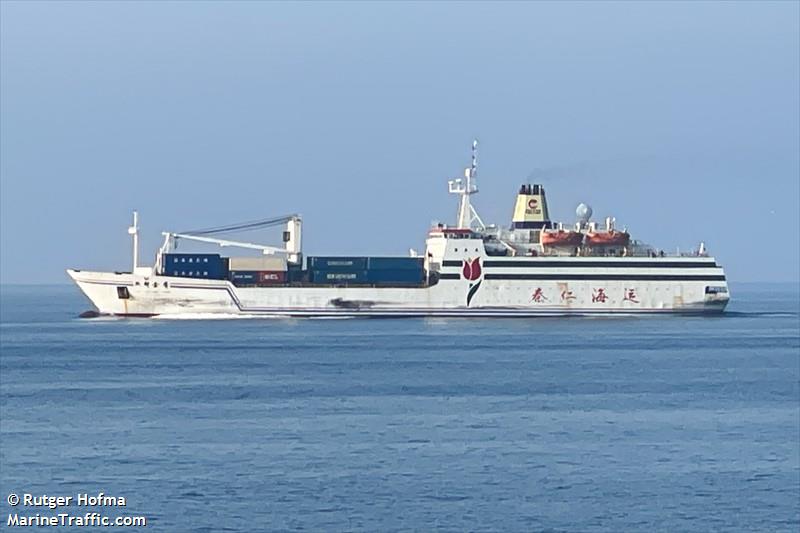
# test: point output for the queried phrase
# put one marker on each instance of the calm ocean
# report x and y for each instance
(619, 424)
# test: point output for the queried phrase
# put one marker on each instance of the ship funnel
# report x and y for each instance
(530, 211)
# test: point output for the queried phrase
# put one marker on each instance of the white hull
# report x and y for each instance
(507, 287)
(534, 270)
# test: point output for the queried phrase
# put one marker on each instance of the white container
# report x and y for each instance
(257, 263)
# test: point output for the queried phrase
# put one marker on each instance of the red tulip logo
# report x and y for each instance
(472, 269)
(472, 272)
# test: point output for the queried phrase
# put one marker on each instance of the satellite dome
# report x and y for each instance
(583, 212)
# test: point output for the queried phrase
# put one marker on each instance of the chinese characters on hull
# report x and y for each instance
(538, 296)
(599, 296)
(630, 296)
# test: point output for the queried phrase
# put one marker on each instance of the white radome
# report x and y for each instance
(583, 212)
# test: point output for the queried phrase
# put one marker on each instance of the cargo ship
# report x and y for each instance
(534, 267)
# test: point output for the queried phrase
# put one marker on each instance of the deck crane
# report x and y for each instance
(292, 247)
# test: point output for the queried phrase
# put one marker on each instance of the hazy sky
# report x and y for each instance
(682, 119)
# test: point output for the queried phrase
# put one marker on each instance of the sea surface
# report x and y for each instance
(601, 424)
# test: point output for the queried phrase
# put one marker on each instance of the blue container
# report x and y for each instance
(205, 266)
(243, 277)
(400, 277)
(395, 263)
(296, 275)
(367, 277)
(339, 277)
(337, 263)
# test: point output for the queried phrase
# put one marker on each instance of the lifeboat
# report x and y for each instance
(561, 238)
(608, 238)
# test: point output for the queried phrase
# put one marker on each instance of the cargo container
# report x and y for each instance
(394, 263)
(243, 278)
(207, 266)
(339, 276)
(337, 263)
(254, 264)
(368, 277)
(297, 275)
(170, 259)
(272, 276)
(402, 277)
(257, 278)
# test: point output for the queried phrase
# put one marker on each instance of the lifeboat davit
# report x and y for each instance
(608, 238)
(561, 238)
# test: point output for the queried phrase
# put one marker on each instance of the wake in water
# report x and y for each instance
(235, 316)
(760, 314)
(212, 316)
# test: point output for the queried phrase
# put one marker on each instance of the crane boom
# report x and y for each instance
(291, 238)
(267, 250)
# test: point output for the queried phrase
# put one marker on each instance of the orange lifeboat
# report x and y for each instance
(560, 238)
(608, 238)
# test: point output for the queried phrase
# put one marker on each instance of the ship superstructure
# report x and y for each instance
(535, 267)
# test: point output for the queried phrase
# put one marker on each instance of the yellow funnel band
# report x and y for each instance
(530, 208)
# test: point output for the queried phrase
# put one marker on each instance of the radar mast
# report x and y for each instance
(465, 187)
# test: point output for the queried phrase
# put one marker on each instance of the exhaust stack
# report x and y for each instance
(530, 211)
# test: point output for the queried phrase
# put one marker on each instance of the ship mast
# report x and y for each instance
(465, 188)
(133, 231)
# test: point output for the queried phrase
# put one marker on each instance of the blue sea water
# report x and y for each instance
(618, 424)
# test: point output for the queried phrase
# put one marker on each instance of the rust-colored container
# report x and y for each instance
(271, 276)
(244, 278)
